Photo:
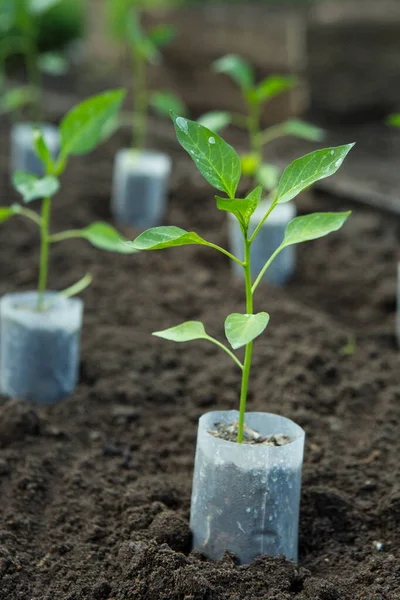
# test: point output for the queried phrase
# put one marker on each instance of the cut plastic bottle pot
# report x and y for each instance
(140, 185)
(267, 241)
(246, 498)
(23, 155)
(39, 351)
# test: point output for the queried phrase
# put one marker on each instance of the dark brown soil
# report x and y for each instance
(95, 491)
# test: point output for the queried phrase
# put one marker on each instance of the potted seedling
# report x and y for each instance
(255, 96)
(246, 487)
(20, 25)
(140, 179)
(40, 330)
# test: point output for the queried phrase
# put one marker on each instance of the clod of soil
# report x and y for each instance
(227, 432)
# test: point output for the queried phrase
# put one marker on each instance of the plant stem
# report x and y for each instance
(44, 252)
(65, 235)
(249, 347)
(141, 101)
(265, 267)
(225, 349)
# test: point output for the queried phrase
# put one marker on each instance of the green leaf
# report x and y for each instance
(394, 120)
(53, 63)
(238, 69)
(242, 209)
(138, 39)
(164, 102)
(158, 238)
(185, 332)
(215, 120)
(249, 163)
(313, 226)
(273, 86)
(17, 98)
(268, 175)
(242, 329)
(313, 167)
(37, 7)
(82, 127)
(162, 35)
(42, 150)
(6, 212)
(303, 130)
(104, 236)
(31, 187)
(216, 160)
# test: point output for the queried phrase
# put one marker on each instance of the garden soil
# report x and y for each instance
(95, 491)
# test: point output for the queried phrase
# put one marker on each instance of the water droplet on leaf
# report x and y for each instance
(211, 140)
(182, 124)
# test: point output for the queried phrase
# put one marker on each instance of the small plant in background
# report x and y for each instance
(225, 508)
(140, 179)
(144, 49)
(20, 35)
(32, 324)
(255, 96)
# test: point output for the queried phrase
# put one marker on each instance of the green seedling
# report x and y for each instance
(220, 165)
(19, 26)
(255, 96)
(80, 130)
(144, 48)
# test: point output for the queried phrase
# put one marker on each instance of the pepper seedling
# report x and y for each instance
(20, 36)
(126, 18)
(255, 96)
(220, 165)
(80, 131)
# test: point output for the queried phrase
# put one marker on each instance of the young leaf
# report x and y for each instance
(158, 238)
(216, 160)
(313, 167)
(82, 128)
(250, 163)
(215, 120)
(268, 175)
(186, 332)
(162, 35)
(242, 209)
(313, 226)
(104, 236)
(303, 130)
(165, 101)
(274, 85)
(242, 329)
(42, 150)
(6, 212)
(237, 68)
(31, 187)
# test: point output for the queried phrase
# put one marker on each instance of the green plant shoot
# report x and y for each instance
(81, 130)
(126, 18)
(255, 96)
(221, 167)
(20, 24)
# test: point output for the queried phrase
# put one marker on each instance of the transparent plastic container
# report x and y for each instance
(267, 241)
(140, 186)
(246, 498)
(39, 351)
(23, 156)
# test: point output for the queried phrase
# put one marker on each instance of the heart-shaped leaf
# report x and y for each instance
(243, 329)
(104, 236)
(82, 128)
(237, 68)
(185, 332)
(215, 120)
(216, 160)
(313, 226)
(158, 238)
(242, 209)
(31, 187)
(313, 167)
(42, 150)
